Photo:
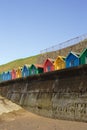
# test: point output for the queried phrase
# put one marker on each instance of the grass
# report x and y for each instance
(18, 62)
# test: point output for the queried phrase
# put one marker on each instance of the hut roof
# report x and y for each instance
(83, 52)
(74, 53)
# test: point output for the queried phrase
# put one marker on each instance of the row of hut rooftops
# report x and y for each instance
(72, 59)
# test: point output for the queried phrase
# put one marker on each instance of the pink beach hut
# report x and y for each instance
(13, 74)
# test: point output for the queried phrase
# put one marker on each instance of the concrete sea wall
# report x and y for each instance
(60, 94)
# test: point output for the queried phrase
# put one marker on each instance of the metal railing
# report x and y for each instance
(65, 44)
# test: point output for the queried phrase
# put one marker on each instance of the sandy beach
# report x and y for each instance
(24, 120)
(14, 117)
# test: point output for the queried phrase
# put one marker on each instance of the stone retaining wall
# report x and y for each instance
(59, 94)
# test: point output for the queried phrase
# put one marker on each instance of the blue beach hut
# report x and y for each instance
(25, 71)
(3, 76)
(8, 75)
(72, 59)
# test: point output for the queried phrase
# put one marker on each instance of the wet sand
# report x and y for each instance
(23, 120)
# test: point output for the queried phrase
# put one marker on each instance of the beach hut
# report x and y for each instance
(8, 75)
(33, 69)
(36, 69)
(19, 72)
(72, 59)
(59, 63)
(49, 65)
(13, 74)
(25, 71)
(83, 56)
(3, 76)
(39, 68)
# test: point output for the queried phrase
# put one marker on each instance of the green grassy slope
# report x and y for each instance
(19, 62)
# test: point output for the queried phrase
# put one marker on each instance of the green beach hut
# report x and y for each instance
(83, 57)
(36, 69)
(0, 77)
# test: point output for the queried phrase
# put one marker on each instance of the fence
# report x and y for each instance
(65, 44)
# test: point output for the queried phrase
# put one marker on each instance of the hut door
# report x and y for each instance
(49, 68)
(86, 60)
(72, 63)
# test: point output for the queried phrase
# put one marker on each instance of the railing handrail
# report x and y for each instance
(65, 44)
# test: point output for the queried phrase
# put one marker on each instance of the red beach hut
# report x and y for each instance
(49, 65)
(13, 74)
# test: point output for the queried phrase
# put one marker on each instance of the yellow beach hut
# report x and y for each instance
(19, 72)
(59, 63)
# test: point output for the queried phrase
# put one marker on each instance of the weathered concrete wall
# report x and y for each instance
(60, 94)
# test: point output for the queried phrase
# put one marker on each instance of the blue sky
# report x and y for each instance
(29, 26)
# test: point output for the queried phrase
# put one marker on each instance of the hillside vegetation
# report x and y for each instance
(18, 62)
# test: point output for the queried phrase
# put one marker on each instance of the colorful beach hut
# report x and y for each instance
(3, 76)
(59, 63)
(33, 69)
(13, 74)
(49, 65)
(8, 75)
(72, 59)
(19, 72)
(83, 56)
(36, 69)
(25, 71)
(39, 68)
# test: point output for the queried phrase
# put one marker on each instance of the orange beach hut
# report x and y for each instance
(18, 72)
(59, 63)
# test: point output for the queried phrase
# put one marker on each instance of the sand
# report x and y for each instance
(7, 106)
(14, 117)
(24, 120)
